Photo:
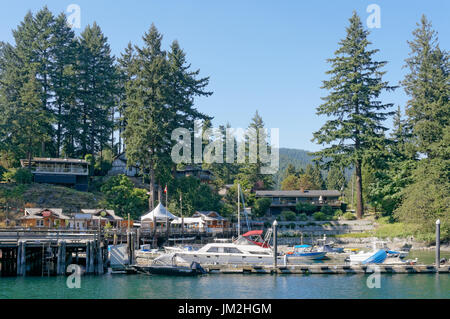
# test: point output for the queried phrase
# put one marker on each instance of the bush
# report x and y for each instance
(320, 216)
(261, 206)
(302, 217)
(306, 208)
(288, 215)
(327, 210)
(18, 175)
(2, 171)
(338, 213)
(292, 226)
(349, 216)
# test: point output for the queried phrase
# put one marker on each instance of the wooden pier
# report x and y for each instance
(326, 269)
(49, 252)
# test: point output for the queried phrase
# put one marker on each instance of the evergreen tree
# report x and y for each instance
(250, 175)
(427, 83)
(355, 85)
(97, 85)
(335, 178)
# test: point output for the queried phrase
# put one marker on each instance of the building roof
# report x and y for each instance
(96, 213)
(37, 213)
(299, 193)
(55, 160)
(208, 215)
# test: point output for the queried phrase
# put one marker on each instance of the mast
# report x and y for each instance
(239, 213)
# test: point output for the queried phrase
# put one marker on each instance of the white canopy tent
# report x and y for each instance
(160, 213)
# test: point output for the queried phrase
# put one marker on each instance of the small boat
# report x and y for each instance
(306, 252)
(328, 247)
(160, 266)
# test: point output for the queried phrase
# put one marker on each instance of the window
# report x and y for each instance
(232, 250)
(213, 250)
(40, 223)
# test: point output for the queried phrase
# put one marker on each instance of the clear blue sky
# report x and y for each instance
(265, 55)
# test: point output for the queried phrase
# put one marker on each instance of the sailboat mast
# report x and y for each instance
(239, 212)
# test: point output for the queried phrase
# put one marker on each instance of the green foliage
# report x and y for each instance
(123, 197)
(327, 210)
(196, 196)
(355, 85)
(338, 213)
(2, 171)
(288, 215)
(261, 206)
(428, 197)
(18, 175)
(306, 208)
(319, 216)
(349, 216)
(302, 217)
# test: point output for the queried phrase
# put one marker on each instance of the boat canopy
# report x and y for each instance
(302, 246)
(253, 233)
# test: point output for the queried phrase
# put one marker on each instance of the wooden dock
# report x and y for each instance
(326, 269)
(49, 252)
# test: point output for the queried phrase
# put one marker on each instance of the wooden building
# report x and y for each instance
(44, 218)
(63, 171)
(281, 200)
(90, 219)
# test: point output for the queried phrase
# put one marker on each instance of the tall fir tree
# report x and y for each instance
(97, 86)
(355, 86)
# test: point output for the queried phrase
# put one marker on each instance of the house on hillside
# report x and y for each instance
(44, 218)
(204, 175)
(119, 166)
(61, 171)
(281, 200)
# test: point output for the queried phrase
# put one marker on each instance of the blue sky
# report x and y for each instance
(264, 55)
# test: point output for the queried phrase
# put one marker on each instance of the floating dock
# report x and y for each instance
(329, 269)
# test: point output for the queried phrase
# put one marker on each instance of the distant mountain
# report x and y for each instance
(298, 158)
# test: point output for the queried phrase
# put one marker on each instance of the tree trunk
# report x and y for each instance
(359, 198)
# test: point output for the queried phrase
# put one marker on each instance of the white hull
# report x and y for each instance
(224, 259)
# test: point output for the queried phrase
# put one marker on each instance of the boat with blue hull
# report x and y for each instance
(306, 252)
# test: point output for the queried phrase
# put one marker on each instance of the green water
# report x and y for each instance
(233, 286)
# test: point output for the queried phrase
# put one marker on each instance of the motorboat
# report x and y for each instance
(165, 265)
(250, 248)
(329, 248)
(306, 252)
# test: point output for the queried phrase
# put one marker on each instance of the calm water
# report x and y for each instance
(230, 286)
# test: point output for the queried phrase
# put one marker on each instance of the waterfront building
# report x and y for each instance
(61, 171)
(90, 219)
(44, 218)
(287, 200)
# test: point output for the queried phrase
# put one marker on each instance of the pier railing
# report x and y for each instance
(14, 235)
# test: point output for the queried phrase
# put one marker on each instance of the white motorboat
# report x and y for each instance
(244, 250)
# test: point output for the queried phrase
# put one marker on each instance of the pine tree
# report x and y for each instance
(97, 86)
(355, 85)
(427, 83)
(250, 174)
